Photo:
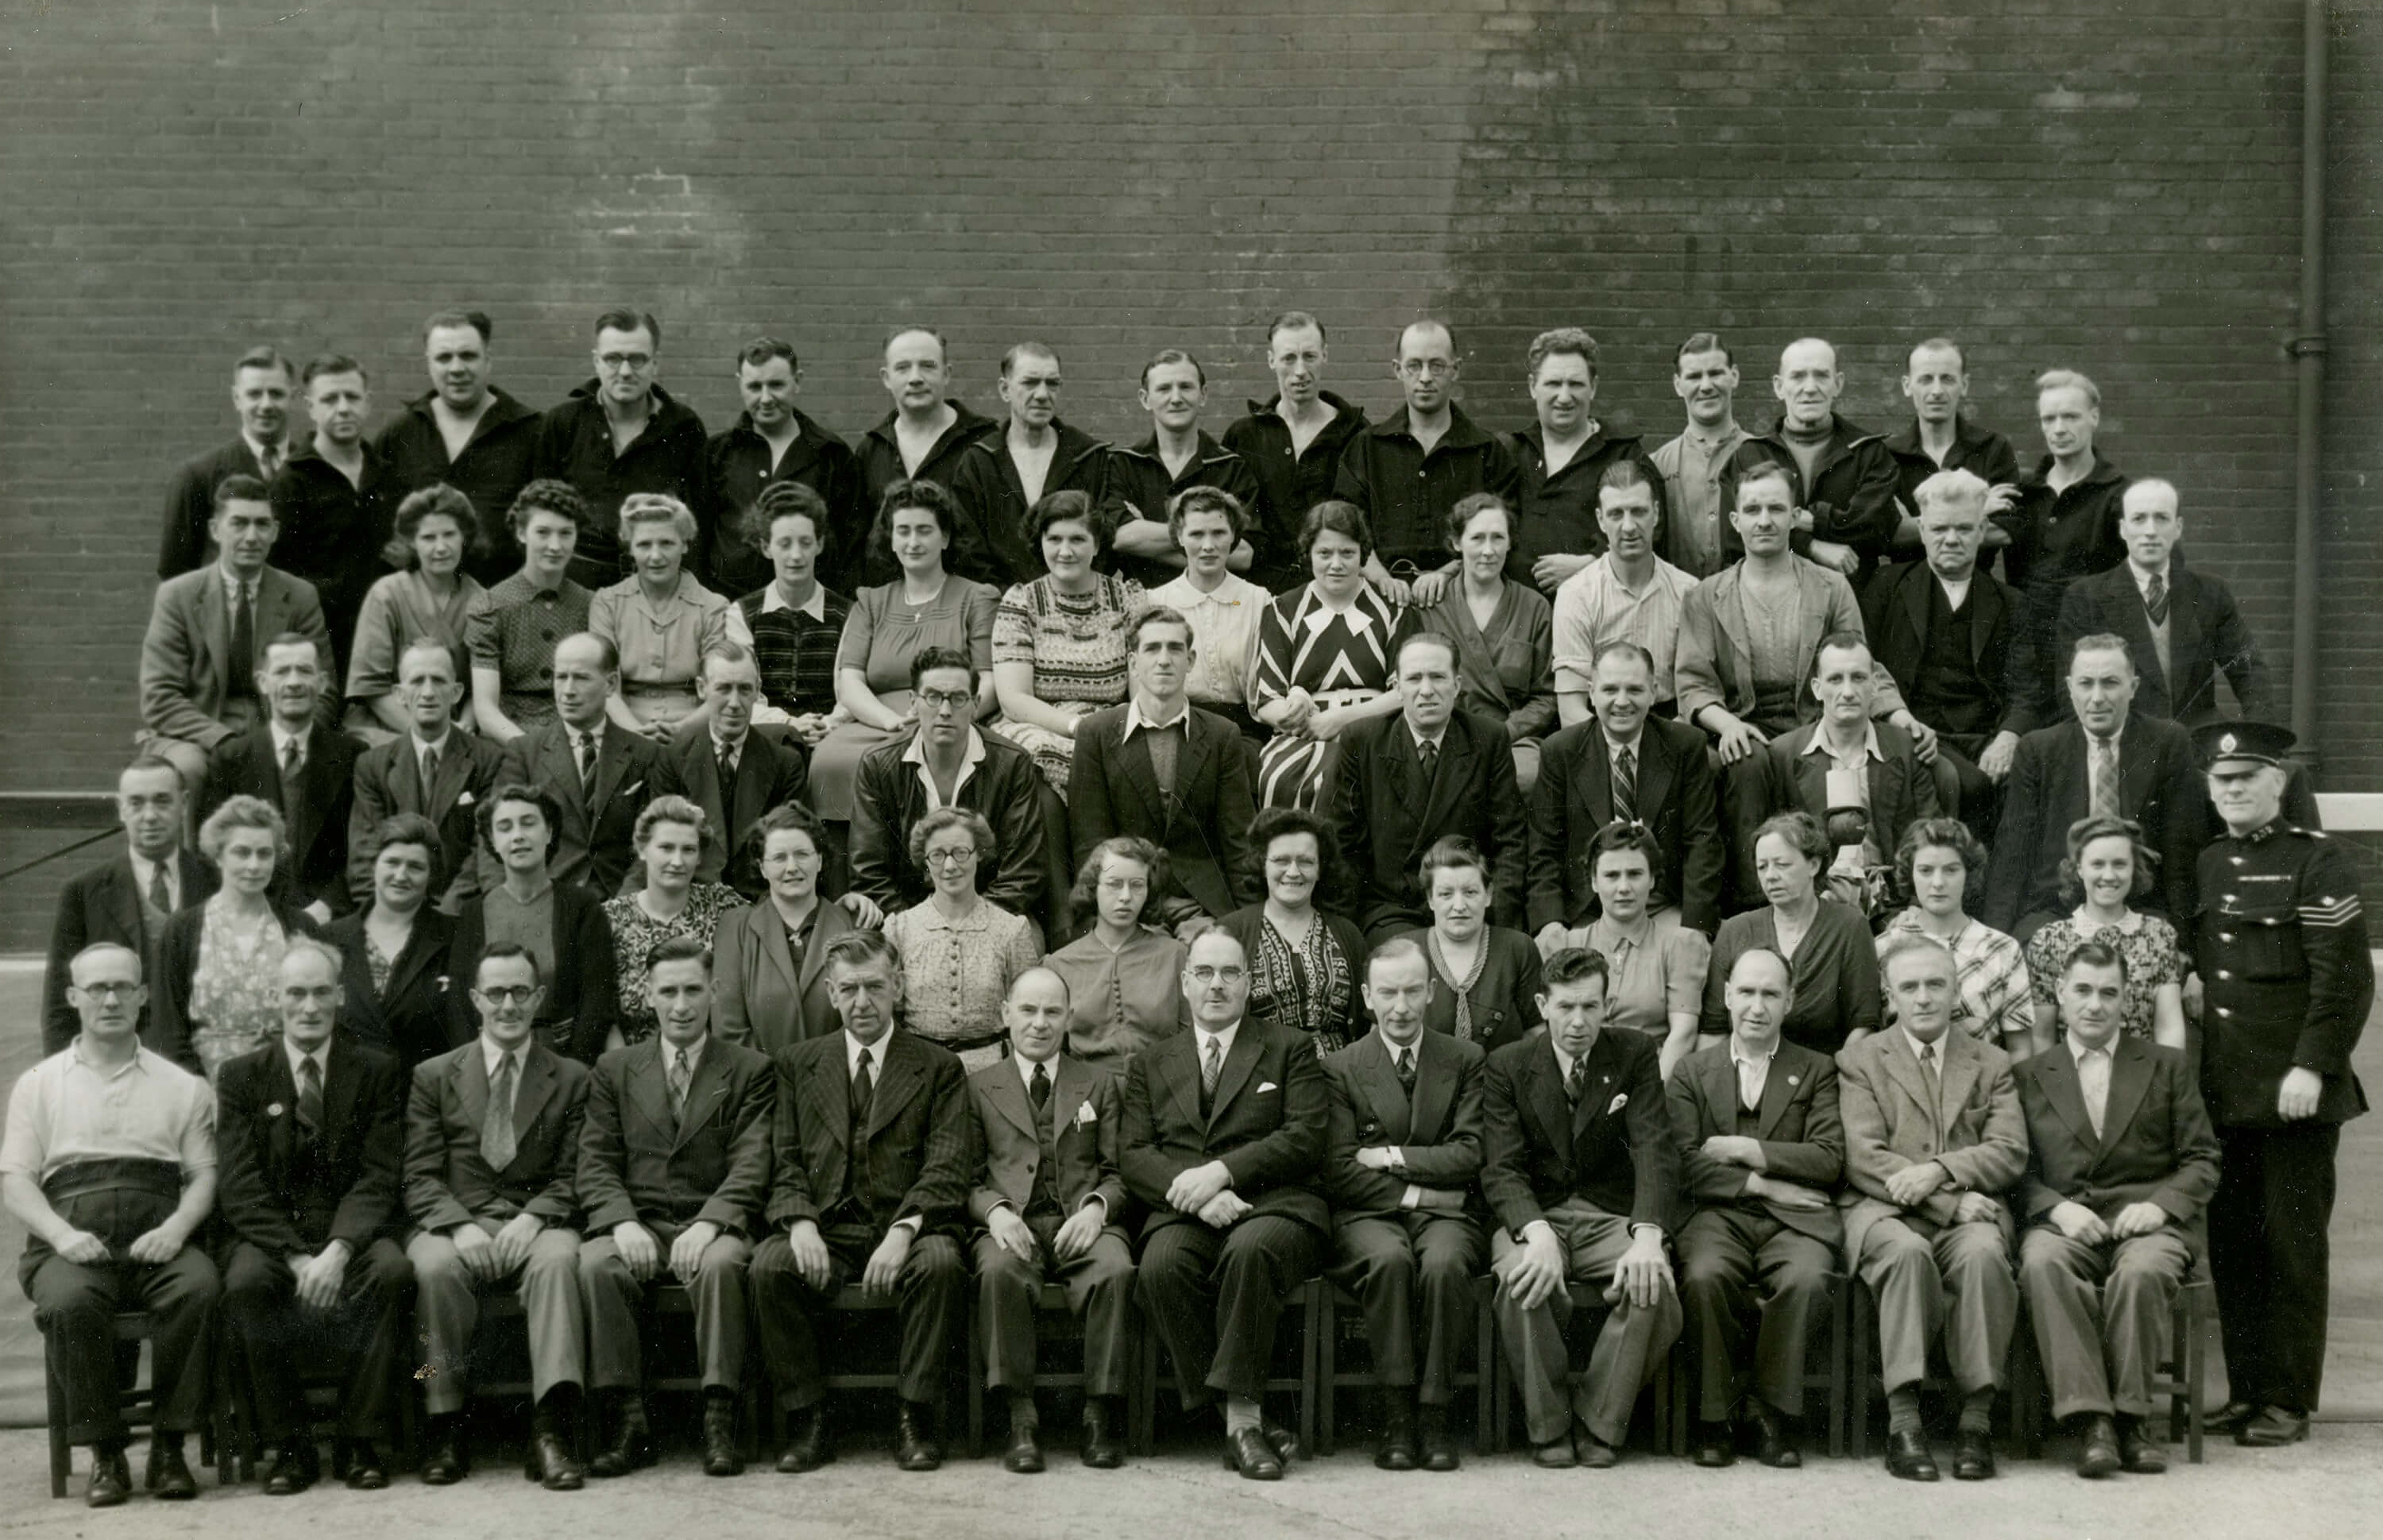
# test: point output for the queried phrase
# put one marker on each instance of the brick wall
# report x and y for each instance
(2113, 190)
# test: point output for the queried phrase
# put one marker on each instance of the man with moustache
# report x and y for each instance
(1144, 479)
(774, 441)
(1627, 595)
(1705, 379)
(924, 438)
(1939, 438)
(435, 770)
(1408, 471)
(618, 434)
(127, 898)
(598, 773)
(262, 383)
(1293, 445)
(466, 433)
(335, 499)
(1000, 476)
(1843, 478)
(302, 766)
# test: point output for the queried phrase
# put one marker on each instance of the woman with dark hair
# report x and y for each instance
(215, 995)
(1305, 962)
(1059, 643)
(671, 837)
(658, 618)
(561, 924)
(1327, 654)
(926, 606)
(1826, 942)
(794, 626)
(1223, 607)
(428, 595)
(770, 970)
(1503, 633)
(2109, 864)
(397, 947)
(1655, 981)
(1933, 866)
(1487, 976)
(960, 951)
(1125, 983)
(511, 632)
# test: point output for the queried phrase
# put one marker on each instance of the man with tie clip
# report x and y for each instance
(1049, 1127)
(674, 1168)
(2121, 1162)
(434, 770)
(491, 1180)
(1404, 1149)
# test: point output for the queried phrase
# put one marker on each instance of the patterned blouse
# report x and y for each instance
(235, 990)
(1075, 645)
(634, 933)
(955, 973)
(513, 628)
(2147, 941)
(796, 650)
(1310, 983)
(1996, 1000)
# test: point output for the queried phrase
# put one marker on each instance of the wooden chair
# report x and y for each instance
(1330, 1377)
(1050, 1304)
(1142, 1432)
(132, 1328)
(2178, 1377)
(1669, 1388)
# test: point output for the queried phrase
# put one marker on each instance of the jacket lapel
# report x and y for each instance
(647, 1090)
(1814, 585)
(1142, 774)
(703, 1092)
(2138, 767)
(1720, 1092)
(553, 768)
(454, 771)
(1235, 1073)
(1596, 792)
(1959, 1052)
(1008, 1096)
(1985, 617)
(2130, 1076)
(1904, 1065)
(1435, 1083)
(419, 955)
(342, 1080)
(215, 627)
(1917, 590)
(1598, 1090)
(769, 933)
(2184, 641)
(1729, 609)
(281, 1134)
(826, 925)
(829, 1086)
(1655, 765)
(1384, 1094)
(1070, 1084)
(120, 895)
(1778, 1090)
(612, 765)
(896, 1085)
(471, 1079)
(1457, 752)
(2056, 1072)
(2136, 624)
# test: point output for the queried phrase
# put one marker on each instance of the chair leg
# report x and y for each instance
(1840, 1308)
(61, 1452)
(1484, 1373)
(2197, 1336)
(1142, 1430)
(1857, 1364)
(1310, 1350)
(1328, 1353)
(976, 1377)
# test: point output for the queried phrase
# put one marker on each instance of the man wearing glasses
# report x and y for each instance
(618, 434)
(1407, 472)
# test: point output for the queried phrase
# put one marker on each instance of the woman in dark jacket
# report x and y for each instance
(1486, 977)
(562, 925)
(396, 978)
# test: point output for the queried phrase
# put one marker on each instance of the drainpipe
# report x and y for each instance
(2308, 348)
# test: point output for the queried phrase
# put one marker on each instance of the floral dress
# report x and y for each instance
(1076, 643)
(2147, 941)
(634, 933)
(235, 990)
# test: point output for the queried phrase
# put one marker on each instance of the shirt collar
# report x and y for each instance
(1614, 746)
(1437, 742)
(1563, 1060)
(256, 446)
(693, 1053)
(1942, 1043)
(145, 871)
(852, 1046)
(1820, 744)
(1224, 1039)
(322, 1057)
(1738, 1053)
(720, 745)
(1135, 717)
(422, 746)
(283, 737)
(1026, 1068)
(1391, 1050)
(2144, 579)
(917, 753)
(141, 1060)
(815, 606)
(493, 1057)
(234, 585)
(2077, 1051)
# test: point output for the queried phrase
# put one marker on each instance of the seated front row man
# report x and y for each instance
(2121, 1164)
(109, 1162)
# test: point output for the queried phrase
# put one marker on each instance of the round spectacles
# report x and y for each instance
(951, 857)
(1209, 974)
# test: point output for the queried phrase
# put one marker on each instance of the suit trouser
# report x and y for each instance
(2099, 1353)
(359, 1334)
(1100, 1293)
(1630, 1345)
(1732, 1262)
(447, 1313)
(932, 1286)
(1962, 789)
(1383, 1261)
(1214, 1297)
(1954, 1279)
(615, 1300)
(2269, 1256)
(75, 1306)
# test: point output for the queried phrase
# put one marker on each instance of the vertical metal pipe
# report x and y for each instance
(2308, 348)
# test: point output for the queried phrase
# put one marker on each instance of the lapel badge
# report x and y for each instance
(274, 1109)
(1793, 1082)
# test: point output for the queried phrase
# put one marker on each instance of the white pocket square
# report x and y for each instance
(1266, 1087)
(632, 791)
(1617, 1104)
(1084, 1114)
(466, 800)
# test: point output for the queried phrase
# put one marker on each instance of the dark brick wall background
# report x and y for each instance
(2112, 188)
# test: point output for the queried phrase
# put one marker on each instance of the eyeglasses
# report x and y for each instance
(951, 857)
(108, 991)
(1209, 974)
(620, 362)
(1420, 368)
(508, 994)
(944, 700)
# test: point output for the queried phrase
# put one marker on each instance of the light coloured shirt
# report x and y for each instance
(2092, 1079)
(1691, 465)
(1753, 1071)
(1593, 607)
(493, 1058)
(67, 1109)
(437, 745)
(852, 1049)
(917, 755)
(1848, 784)
(144, 872)
(1223, 634)
(1929, 1055)
(1658, 971)
(235, 587)
(691, 1055)
(298, 1057)
(284, 740)
(1223, 1039)
(1136, 720)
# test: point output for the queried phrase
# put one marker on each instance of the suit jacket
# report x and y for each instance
(1203, 821)
(760, 996)
(1267, 1122)
(178, 967)
(1803, 1138)
(1087, 1112)
(888, 800)
(1902, 790)
(423, 1012)
(389, 781)
(2160, 784)
(1676, 800)
(593, 848)
(2206, 635)
(186, 662)
(1614, 1149)
(1894, 616)
(104, 905)
(183, 541)
(449, 1183)
(713, 1165)
(284, 1195)
(917, 1155)
(1714, 665)
(317, 816)
(1437, 1132)
(772, 770)
(582, 996)
(1390, 814)
(1973, 1128)
(2156, 1145)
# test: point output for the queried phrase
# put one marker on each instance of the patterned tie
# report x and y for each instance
(2156, 599)
(1626, 786)
(2105, 801)
(1928, 1067)
(727, 776)
(586, 750)
(1577, 1083)
(498, 1145)
(161, 897)
(1211, 1067)
(1406, 1070)
(268, 462)
(310, 1097)
(243, 643)
(864, 1090)
(1429, 755)
(428, 764)
(679, 1078)
(1038, 1092)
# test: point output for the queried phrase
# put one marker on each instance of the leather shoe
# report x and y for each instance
(551, 1465)
(2272, 1429)
(632, 1447)
(1556, 1454)
(111, 1479)
(442, 1460)
(1974, 1456)
(1100, 1449)
(719, 1456)
(288, 1471)
(1594, 1453)
(1398, 1447)
(1716, 1446)
(1024, 1456)
(2098, 1455)
(2138, 1451)
(1284, 1442)
(918, 1449)
(1248, 1451)
(1908, 1458)
(2230, 1417)
(169, 1477)
(1438, 1445)
(365, 1472)
(1774, 1439)
(807, 1448)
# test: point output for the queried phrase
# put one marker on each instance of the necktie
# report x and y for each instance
(587, 749)
(1038, 1092)
(290, 764)
(1429, 755)
(161, 897)
(243, 644)
(2104, 799)
(1212, 1065)
(728, 773)
(1626, 786)
(1406, 1070)
(679, 1077)
(268, 462)
(1928, 1067)
(864, 1090)
(430, 763)
(2156, 599)
(1577, 1083)
(1750, 1093)
(310, 1097)
(498, 1145)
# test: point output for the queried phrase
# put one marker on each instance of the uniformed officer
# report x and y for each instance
(2288, 979)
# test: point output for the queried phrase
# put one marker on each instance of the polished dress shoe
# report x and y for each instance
(1716, 1446)
(1774, 1439)
(1973, 1455)
(2097, 1452)
(169, 1477)
(806, 1446)
(632, 1449)
(1908, 1458)
(442, 1456)
(111, 1479)
(1594, 1453)
(2140, 1453)
(365, 1473)
(1284, 1441)
(1100, 1449)
(1248, 1451)
(551, 1465)
(2273, 1428)
(719, 1456)
(1437, 1444)
(1398, 1450)
(288, 1471)
(2230, 1417)
(1024, 1456)
(915, 1430)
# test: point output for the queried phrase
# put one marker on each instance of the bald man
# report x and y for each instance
(925, 437)
(1844, 477)
(1407, 471)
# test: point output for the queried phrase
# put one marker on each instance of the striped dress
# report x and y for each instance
(1076, 643)
(1339, 658)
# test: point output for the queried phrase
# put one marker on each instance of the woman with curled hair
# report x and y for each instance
(561, 924)
(1059, 643)
(671, 837)
(769, 971)
(960, 951)
(429, 597)
(1657, 966)
(1503, 632)
(2108, 867)
(1223, 607)
(1933, 866)
(1125, 987)
(215, 995)
(660, 618)
(1826, 942)
(1306, 962)
(1487, 976)
(396, 948)
(794, 626)
(1327, 658)
(512, 630)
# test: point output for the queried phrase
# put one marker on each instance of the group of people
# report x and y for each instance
(1176, 871)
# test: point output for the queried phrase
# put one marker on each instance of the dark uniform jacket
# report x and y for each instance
(574, 443)
(890, 799)
(332, 532)
(1201, 821)
(1406, 494)
(2207, 636)
(1137, 487)
(1851, 495)
(106, 905)
(389, 781)
(183, 543)
(1979, 451)
(736, 471)
(424, 1009)
(850, 566)
(1896, 608)
(593, 845)
(494, 465)
(1085, 1127)
(994, 546)
(315, 866)
(1289, 482)
(1558, 513)
(2049, 788)
(1390, 814)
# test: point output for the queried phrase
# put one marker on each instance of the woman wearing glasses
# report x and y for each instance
(960, 951)
(1125, 985)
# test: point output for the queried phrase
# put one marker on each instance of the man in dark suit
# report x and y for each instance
(2107, 759)
(1225, 1129)
(2181, 627)
(127, 898)
(600, 774)
(875, 1155)
(1160, 767)
(2121, 1165)
(1404, 1149)
(674, 1168)
(433, 770)
(1052, 1206)
(1623, 763)
(261, 385)
(299, 764)
(1407, 780)
(491, 1182)
(1763, 1151)
(733, 771)
(1580, 1171)
(311, 1138)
